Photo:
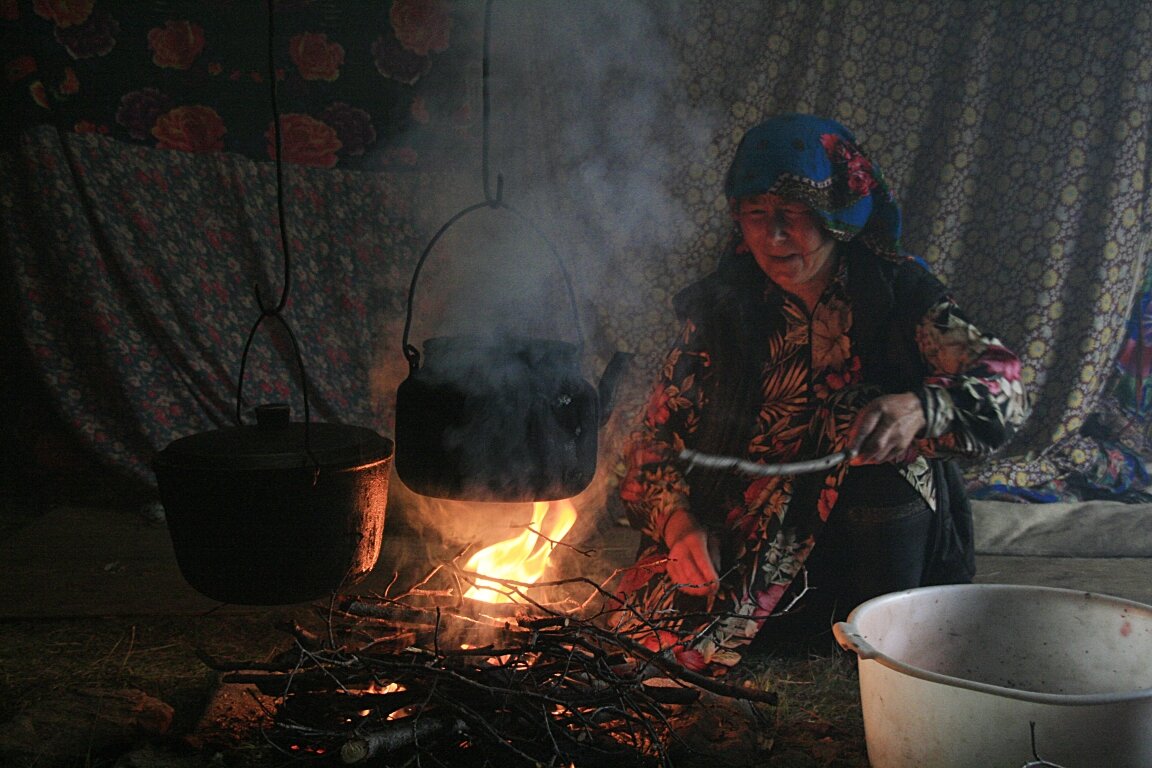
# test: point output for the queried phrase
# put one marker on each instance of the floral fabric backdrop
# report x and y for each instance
(136, 312)
(1016, 136)
(360, 84)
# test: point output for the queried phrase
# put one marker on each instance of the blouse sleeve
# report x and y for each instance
(973, 397)
(653, 486)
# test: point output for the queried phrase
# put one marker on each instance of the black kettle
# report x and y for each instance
(500, 418)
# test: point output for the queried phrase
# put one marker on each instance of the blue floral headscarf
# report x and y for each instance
(816, 161)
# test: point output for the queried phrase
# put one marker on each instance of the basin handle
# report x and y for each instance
(851, 640)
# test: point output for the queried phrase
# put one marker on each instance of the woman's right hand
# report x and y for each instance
(690, 564)
(885, 429)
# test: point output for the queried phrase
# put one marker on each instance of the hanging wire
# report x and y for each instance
(276, 312)
(491, 200)
(486, 112)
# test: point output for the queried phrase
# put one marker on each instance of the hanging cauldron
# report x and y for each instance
(277, 512)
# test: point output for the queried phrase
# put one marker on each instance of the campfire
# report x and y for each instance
(478, 662)
(522, 559)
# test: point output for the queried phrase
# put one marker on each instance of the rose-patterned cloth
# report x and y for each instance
(755, 376)
(139, 202)
(378, 85)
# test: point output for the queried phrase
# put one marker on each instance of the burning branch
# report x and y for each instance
(544, 686)
(443, 670)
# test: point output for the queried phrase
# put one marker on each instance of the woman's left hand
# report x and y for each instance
(885, 428)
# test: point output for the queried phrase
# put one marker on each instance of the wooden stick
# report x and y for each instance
(697, 459)
(397, 734)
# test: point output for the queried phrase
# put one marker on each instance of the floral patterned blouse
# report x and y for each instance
(810, 375)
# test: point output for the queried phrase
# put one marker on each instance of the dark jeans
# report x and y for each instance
(863, 552)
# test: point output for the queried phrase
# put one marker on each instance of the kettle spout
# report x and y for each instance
(606, 389)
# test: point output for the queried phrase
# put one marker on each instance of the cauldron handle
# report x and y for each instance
(277, 311)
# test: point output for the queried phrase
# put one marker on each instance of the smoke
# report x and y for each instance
(615, 119)
(591, 125)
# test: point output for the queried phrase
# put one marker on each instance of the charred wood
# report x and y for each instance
(396, 735)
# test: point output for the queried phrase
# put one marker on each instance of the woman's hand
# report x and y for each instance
(885, 428)
(690, 563)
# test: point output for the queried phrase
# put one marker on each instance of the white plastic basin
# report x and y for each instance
(956, 676)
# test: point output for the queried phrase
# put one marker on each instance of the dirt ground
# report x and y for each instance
(64, 687)
(103, 650)
(103, 647)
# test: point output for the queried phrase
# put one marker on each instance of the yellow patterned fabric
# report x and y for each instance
(1014, 135)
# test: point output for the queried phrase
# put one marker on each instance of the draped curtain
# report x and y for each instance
(135, 275)
(1015, 135)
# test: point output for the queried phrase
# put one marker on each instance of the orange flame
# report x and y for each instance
(522, 558)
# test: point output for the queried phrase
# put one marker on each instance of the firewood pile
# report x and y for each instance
(428, 677)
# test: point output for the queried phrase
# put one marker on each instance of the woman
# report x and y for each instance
(816, 334)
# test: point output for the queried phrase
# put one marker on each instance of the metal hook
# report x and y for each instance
(277, 311)
(1039, 762)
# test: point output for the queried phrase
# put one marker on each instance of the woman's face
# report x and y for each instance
(788, 243)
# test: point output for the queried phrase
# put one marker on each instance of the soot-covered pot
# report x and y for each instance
(500, 418)
(278, 512)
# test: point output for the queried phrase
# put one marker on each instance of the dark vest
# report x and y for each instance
(888, 298)
(734, 316)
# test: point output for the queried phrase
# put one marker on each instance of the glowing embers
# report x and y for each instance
(521, 561)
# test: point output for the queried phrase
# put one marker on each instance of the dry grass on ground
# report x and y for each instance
(48, 666)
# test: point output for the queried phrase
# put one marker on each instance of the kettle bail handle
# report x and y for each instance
(493, 203)
(491, 200)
